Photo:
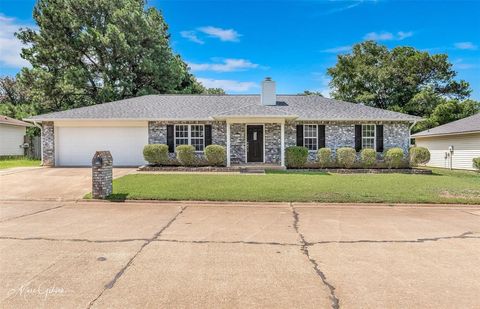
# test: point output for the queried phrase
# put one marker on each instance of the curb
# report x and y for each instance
(284, 204)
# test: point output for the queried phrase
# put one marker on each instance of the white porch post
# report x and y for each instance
(228, 143)
(282, 143)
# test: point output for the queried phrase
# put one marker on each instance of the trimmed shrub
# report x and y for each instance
(419, 155)
(394, 157)
(368, 157)
(186, 155)
(476, 163)
(296, 156)
(324, 156)
(346, 156)
(156, 153)
(216, 155)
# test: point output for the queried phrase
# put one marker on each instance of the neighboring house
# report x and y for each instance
(12, 134)
(253, 128)
(452, 145)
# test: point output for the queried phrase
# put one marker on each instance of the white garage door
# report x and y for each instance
(75, 146)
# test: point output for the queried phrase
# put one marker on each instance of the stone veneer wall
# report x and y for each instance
(337, 134)
(157, 131)
(237, 143)
(48, 143)
(273, 143)
(342, 134)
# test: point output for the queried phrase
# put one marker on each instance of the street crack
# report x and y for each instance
(418, 240)
(112, 283)
(31, 214)
(316, 267)
(75, 239)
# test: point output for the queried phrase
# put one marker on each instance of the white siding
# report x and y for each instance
(466, 147)
(75, 146)
(11, 138)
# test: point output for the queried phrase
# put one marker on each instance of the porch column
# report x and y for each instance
(228, 143)
(282, 143)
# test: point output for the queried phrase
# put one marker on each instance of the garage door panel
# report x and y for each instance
(75, 146)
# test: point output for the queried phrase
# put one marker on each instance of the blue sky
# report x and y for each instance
(235, 44)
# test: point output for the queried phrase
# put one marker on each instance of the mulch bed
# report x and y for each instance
(366, 170)
(153, 168)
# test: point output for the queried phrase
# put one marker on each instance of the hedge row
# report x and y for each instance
(157, 154)
(346, 157)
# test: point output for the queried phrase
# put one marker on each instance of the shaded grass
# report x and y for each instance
(18, 162)
(442, 187)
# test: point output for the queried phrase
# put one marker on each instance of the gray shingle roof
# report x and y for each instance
(207, 107)
(465, 125)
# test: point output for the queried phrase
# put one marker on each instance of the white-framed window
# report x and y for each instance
(190, 134)
(310, 136)
(368, 136)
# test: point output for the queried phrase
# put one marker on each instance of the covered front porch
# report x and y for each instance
(256, 141)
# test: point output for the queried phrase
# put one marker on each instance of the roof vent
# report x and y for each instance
(268, 96)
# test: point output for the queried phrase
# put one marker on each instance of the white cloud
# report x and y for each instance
(337, 50)
(227, 65)
(466, 45)
(342, 8)
(403, 35)
(226, 35)
(192, 36)
(388, 36)
(10, 46)
(460, 64)
(227, 85)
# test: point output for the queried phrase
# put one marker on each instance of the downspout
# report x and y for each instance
(41, 140)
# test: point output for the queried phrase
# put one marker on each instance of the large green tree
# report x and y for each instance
(401, 79)
(91, 51)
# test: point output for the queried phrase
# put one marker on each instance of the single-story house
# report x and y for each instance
(12, 136)
(452, 145)
(253, 128)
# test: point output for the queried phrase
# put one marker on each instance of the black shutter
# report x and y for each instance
(379, 137)
(321, 136)
(171, 138)
(299, 135)
(208, 135)
(358, 137)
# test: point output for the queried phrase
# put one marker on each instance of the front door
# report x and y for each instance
(254, 143)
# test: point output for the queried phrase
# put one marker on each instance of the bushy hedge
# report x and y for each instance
(186, 155)
(419, 155)
(296, 156)
(368, 157)
(216, 155)
(156, 153)
(346, 156)
(394, 157)
(324, 157)
(476, 163)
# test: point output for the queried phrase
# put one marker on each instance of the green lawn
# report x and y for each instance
(17, 162)
(442, 187)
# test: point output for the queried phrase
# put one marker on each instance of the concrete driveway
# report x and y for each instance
(48, 183)
(117, 255)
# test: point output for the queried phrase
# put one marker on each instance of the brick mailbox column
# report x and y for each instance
(102, 174)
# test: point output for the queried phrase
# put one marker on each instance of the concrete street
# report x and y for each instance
(58, 252)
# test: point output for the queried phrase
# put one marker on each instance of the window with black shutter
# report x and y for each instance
(170, 138)
(321, 136)
(358, 137)
(379, 138)
(299, 135)
(208, 135)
